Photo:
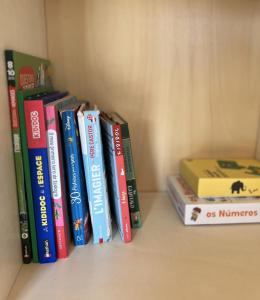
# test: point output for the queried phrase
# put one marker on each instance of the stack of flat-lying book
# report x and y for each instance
(210, 191)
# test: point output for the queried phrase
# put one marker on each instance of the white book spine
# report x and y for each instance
(82, 131)
(222, 214)
(214, 212)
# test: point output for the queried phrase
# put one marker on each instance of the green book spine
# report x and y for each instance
(18, 160)
(28, 185)
(130, 178)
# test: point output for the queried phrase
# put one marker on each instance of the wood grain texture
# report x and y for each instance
(22, 26)
(257, 154)
(185, 74)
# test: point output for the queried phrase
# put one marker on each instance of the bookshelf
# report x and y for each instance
(186, 76)
(25, 31)
(184, 73)
(166, 260)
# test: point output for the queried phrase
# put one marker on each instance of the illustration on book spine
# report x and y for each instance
(38, 158)
(90, 134)
(220, 178)
(57, 181)
(75, 176)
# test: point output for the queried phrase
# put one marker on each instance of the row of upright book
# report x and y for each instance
(217, 191)
(74, 165)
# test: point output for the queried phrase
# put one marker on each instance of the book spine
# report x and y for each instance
(131, 179)
(225, 213)
(75, 177)
(83, 144)
(57, 182)
(199, 211)
(96, 180)
(177, 200)
(121, 177)
(28, 184)
(38, 158)
(18, 160)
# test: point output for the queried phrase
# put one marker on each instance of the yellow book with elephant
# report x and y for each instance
(222, 177)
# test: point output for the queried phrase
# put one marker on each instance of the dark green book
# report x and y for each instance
(133, 200)
(23, 72)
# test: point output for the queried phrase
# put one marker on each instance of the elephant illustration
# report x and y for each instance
(237, 187)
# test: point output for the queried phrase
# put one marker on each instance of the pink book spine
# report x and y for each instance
(57, 182)
(121, 176)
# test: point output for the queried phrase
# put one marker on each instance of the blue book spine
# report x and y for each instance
(38, 159)
(75, 179)
(96, 178)
(40, 180)
(110, 151)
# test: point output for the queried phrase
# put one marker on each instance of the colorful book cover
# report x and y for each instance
(113, 149)
(38, 159)
(212, 210)
(23, 72)
(56, 171)
(223, 177)
(75, 176)
(21, 95)
(94, 166)
(132, 193)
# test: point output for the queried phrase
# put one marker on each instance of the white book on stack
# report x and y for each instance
(221, 210)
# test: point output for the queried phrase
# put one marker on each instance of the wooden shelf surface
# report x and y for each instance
(165, 260)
